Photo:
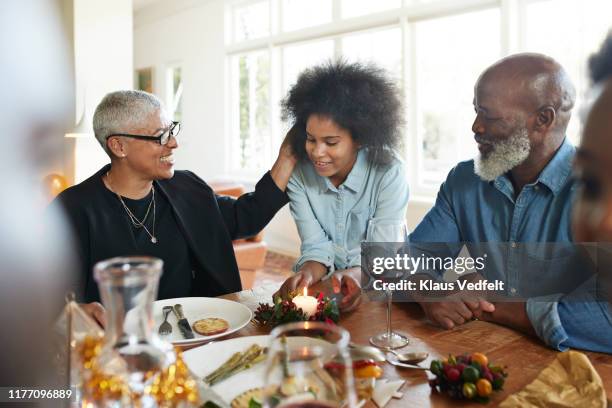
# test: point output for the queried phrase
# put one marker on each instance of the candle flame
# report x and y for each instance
(305, 292)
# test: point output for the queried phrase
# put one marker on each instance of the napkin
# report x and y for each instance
(385, 390)
(569, 381)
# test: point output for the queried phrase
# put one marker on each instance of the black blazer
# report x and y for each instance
(208, 222)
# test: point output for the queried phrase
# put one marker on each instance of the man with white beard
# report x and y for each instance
(518, 190)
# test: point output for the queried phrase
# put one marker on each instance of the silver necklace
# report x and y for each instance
(134, 220)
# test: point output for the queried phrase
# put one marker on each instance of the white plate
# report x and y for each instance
(196, 308)
(205, 359)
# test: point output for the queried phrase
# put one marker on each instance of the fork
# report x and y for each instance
(165, 328)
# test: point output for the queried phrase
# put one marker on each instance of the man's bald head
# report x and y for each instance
(523, 105)
(533, 82)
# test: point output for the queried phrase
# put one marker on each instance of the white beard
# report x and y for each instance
(505, 156)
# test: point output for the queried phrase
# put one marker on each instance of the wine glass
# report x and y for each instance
(309, 366)
(391, 234)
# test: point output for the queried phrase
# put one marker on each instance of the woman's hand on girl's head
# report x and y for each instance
(286, 151)
(285, 163)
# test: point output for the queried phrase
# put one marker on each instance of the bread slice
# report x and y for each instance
(210, 326)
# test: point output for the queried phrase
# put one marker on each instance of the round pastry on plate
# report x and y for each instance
(210, 326)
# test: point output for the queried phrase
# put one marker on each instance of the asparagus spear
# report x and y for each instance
(243, 367)
(234, 364)
(231, 362)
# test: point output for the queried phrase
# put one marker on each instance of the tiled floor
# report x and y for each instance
(276, 269)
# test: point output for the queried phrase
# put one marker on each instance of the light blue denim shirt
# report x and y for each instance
(469, 209)
(332, 221)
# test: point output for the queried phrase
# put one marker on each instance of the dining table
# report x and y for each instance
(522, 355)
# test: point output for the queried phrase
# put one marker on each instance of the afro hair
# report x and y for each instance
(360, 98)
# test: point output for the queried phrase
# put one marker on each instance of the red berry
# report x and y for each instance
(452, 374)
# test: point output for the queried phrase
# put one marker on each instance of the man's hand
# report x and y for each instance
(310, 273)
(345, 282)
(455, 310)
(510, 314)
(96, 311)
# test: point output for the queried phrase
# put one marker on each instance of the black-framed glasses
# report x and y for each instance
(163, 139)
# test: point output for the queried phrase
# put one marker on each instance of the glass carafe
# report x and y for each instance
(132, 354)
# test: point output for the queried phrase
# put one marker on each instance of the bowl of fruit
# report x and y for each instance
(470, 377)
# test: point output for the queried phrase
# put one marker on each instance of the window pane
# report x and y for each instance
(353, 8)
(417, 2)
(251, 21)
(175, 92)
(383, 47)
(589, 21)
(251, 110)
(450, 54)
(299, 57)
(305, 13)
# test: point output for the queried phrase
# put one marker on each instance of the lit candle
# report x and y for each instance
(307, 303)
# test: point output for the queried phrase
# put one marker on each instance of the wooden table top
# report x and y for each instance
(525, 357)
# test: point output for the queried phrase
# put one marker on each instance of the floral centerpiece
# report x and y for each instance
(286, 311)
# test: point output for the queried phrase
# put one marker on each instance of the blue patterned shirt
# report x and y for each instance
(469, 209)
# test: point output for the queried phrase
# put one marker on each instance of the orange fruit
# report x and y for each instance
(480, 359)
(484, 387)
(371, 371)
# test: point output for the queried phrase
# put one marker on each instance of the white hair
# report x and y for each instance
(120, 111)
(506, 155)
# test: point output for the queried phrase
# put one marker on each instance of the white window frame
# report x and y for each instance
(169, 82)
(405, 17)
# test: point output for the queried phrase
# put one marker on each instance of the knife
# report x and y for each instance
(183, 324)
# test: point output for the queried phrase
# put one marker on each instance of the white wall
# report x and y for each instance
(191, 33)
(102, 37)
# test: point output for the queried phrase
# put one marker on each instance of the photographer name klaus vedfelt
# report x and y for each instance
(432, 285)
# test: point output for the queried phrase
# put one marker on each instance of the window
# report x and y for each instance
(571, 47)
(305, 13)
(451, 53)
(383, 46)
(435, 49)
(353, 8)
(251, 20)
(297, 58)
(174, 80)
(251, 100)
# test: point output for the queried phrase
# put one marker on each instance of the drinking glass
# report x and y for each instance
(309, 366)
(391, 235)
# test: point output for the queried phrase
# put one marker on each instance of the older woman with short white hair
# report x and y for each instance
(139, 205)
